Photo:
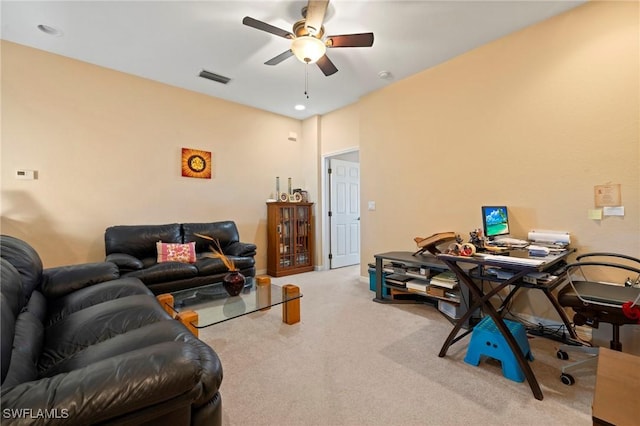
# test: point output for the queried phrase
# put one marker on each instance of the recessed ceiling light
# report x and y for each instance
(385, 75)
(300, 107)
(50, 30)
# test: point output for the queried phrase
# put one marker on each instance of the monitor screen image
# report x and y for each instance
(495, 220)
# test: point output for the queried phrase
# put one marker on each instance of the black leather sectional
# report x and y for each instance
(133, 249)
(82, 346)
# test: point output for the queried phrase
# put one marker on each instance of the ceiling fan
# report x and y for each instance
(308, 43)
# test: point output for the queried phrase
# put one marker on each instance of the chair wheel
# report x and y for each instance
(562, 355)
(567, 379)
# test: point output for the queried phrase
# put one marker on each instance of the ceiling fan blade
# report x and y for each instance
(316, 10)
(326, 66)
(350, 40)
(281, 57)
(263, 26)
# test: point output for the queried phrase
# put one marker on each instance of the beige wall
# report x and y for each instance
(106, 146)
(311, 136)
(533, 120)
(341, 130)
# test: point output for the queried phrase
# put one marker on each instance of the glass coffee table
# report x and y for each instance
(202, 307)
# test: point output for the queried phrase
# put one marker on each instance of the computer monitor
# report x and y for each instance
(495, 221)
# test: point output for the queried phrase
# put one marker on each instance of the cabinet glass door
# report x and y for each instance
(302, 236)
(287, 237)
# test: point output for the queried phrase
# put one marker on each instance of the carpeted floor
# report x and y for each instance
(351, 361)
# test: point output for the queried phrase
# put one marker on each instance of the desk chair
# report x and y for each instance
(598, 301)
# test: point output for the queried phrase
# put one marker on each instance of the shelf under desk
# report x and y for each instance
(426, 260)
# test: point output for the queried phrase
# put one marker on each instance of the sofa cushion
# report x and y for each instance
(243, 262)
(162, 272)
(210, 266)
(95, 324)
(62, 280)
(11, 303)
(125, 262)
(29, 336)
(149, 335)
(11, 289)
(94, 295)
(140, 240)
(25, 259)
(225, 232)
(22, 343)
(172, 252)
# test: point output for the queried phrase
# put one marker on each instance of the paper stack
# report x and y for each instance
(447, 279)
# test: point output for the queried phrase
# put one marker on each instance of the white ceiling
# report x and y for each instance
(172, 41)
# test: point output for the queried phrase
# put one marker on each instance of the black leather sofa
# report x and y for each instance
(81, 346)
(133, 249)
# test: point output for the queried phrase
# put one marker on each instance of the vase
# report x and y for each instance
(233, 283)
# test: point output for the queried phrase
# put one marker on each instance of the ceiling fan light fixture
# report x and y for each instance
(308, 49)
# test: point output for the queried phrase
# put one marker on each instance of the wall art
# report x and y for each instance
(196, 163)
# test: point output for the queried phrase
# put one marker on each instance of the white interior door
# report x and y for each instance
(345, 213)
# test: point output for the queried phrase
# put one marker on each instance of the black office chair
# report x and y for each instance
(598, 301)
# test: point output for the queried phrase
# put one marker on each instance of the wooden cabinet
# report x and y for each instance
(289, 238)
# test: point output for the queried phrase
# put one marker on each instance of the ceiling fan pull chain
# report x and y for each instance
(306, 80)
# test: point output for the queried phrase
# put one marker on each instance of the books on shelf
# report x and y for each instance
(418, 272)
(417, 285)
(388, 267)
(447, 279)
(396, 280)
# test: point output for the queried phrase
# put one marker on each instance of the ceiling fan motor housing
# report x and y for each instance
(301, 31)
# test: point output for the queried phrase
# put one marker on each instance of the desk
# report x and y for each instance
(481, 300)
(615, 399)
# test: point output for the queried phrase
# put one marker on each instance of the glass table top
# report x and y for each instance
(213, 305)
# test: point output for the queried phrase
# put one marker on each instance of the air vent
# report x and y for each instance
(215, 77)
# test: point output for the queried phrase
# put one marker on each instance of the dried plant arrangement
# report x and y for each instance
(216, 252)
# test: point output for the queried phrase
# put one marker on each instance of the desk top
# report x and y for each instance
(513, 259)
(615, 399)
(408, 257)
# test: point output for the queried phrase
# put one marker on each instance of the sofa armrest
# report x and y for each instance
(125, 261)
(167, 373)
(240, 249)
(62, 280)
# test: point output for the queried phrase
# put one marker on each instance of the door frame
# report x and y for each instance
(325, 192)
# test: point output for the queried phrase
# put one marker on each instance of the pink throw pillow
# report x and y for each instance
(173, 252)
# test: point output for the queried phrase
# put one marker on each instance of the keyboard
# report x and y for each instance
(511, 241)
